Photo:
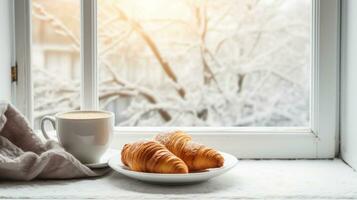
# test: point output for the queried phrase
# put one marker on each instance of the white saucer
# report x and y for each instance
(229, 162)
(103, 162)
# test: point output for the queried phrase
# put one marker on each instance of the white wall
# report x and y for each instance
(349, 83)
(5, 50)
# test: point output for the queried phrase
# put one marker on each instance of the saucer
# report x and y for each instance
(103, 162)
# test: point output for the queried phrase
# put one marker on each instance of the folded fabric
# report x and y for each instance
(23, 156)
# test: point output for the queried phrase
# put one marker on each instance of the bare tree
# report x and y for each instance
(249, 73)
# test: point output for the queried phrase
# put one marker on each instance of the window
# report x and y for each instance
(257, 78)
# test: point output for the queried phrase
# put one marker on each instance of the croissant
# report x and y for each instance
(150, 156)
(196, 156)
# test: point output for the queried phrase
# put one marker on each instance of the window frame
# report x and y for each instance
(320, 140)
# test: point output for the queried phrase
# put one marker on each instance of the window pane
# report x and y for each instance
(55, 56)
(205, 63)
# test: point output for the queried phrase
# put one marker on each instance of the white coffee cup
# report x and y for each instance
(84, 134)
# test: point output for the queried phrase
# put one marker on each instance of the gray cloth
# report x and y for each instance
(23, 156)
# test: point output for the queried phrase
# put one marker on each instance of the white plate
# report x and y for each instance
(103, 162)
(229, 162)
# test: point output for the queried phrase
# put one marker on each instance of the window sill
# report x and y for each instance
(276, 144)
(295, 179)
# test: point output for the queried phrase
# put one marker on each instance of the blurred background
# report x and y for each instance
(180, 62)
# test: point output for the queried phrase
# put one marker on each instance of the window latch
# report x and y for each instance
(14, 73)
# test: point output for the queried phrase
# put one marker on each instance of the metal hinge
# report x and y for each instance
(14, 73)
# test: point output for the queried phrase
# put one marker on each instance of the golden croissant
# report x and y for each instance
(150, 156)
(196, 156)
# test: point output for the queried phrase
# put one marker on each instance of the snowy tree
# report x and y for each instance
(188, 62)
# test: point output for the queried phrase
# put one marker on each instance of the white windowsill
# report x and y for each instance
(251, 143)
(281, 179)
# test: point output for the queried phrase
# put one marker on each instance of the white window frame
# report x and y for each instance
(319, 141)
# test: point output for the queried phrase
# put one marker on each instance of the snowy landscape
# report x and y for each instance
(180, 62)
